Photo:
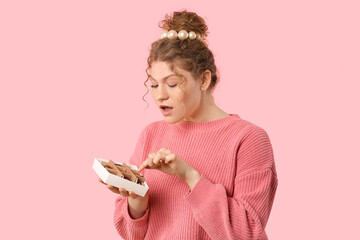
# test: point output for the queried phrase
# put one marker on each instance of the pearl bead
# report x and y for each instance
(164, 34)
(198, 36)
(192, 35)
(172, 34)
(183, 34)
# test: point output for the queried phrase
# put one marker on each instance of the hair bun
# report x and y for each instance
(185, 20)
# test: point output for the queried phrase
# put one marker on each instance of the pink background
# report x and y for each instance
(72, 76)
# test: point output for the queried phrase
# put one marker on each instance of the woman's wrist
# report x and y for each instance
(192, 178)
(137, 207)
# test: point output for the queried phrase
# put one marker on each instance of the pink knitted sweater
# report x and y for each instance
(232, 199)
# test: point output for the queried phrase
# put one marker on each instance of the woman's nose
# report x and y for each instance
(162, 93)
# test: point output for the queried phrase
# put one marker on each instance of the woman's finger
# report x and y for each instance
(146, 162)
(133, 195)
(149, 159)
(123, 192)
(169, 158)
(113, 189)
(101, 181)
(158, 157)
(143, 165)
(166, 151)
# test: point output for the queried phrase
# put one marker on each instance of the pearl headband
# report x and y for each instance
(183, 34)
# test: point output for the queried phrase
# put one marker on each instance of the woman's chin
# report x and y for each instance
(171, 120)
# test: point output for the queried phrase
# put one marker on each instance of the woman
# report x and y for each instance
(211, 175)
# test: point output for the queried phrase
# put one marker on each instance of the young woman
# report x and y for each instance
(211, 175)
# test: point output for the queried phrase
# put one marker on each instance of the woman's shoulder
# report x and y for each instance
(250, 132)
(246, 125)
(153, 126)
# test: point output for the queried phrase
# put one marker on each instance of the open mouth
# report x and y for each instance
(164, 107)
(166, 110)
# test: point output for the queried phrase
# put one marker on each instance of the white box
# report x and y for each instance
(117, 181)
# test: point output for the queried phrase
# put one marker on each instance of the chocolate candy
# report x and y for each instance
(124, 171)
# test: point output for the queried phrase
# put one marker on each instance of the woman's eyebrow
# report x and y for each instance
(164, 77)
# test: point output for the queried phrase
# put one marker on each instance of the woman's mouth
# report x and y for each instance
(166, 110)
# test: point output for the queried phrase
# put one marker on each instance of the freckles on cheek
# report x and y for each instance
(179, 102)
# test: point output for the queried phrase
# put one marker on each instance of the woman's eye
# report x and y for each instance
(155, 86)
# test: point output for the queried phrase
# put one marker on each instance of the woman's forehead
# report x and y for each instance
(163, 78)
(163, 69)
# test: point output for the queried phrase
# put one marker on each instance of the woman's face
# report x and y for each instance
(181, 103)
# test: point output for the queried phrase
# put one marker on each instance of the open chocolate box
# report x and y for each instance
(120, 175)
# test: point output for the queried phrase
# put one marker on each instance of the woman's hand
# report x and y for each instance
(120, 191)
(137, 204)
(168, 162)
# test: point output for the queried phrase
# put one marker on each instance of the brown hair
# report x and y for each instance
(193, 56)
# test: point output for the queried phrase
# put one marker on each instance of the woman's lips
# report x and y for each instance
(166, 110)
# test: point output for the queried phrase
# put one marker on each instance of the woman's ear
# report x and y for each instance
(206, 80)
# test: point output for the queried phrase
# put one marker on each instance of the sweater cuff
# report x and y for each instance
(140, 222)
(199, 195)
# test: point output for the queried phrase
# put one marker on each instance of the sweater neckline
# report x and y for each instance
(205, 126)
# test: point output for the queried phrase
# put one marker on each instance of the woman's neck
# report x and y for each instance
(207, 111)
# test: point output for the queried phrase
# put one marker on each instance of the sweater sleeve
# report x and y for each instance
(127, 227)
(244, 214)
